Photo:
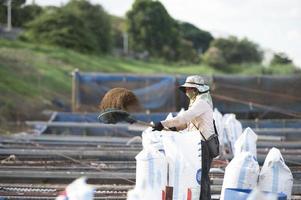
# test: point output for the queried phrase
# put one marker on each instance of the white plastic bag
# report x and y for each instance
(246, 142)
(153, 138)
(78, 190)
(183, 153)
(275, 176)
(242, 172)
(151, 173)
(181, 112)
(169, 116)
(232, 129)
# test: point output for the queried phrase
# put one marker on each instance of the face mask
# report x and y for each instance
(192, 94)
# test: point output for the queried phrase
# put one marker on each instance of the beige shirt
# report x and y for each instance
(199, 113)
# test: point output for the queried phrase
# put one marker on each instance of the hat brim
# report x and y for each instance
(200, 88)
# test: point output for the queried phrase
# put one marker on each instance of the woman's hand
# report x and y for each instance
(158, 126)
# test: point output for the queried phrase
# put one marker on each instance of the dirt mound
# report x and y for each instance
(120, 98)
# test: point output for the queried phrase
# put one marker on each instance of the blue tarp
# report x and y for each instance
(277, 96)
(155, 93)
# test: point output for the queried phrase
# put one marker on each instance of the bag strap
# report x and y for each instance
(199, 131)
(215, 129)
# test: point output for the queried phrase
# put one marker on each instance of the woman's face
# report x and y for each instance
(191, 93)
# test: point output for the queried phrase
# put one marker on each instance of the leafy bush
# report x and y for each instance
(214, 57)
(186, 52)
(62, 29)
(78, 25)
(281, 59)
(238, 51)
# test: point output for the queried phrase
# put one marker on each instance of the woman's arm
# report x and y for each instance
(180, 121)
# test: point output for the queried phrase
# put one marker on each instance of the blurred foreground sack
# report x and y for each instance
(78, 190)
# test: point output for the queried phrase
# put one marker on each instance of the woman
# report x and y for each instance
(199, 116)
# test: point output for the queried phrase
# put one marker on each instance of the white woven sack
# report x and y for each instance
(78, 190)
(242, 172)
(275, 176)
(232, 129)
(246, 142)
(151, 172)
(153, 138)
(183, 153)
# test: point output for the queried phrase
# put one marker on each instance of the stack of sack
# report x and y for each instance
(229, 130)
(242, 174)
(232, 130)
(168, 159)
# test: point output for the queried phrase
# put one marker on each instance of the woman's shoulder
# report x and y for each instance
(202, 103)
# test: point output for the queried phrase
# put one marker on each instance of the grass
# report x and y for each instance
(32, 76)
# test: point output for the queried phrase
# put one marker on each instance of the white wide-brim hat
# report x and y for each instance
(195, 81)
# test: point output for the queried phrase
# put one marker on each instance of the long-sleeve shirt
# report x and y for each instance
(199, 116)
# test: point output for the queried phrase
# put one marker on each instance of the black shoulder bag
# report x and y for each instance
(212, 142)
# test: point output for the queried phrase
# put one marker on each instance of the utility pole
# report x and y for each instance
(8, 4)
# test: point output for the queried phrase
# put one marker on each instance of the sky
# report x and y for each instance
(274, 24)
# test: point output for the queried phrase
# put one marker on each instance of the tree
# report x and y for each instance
(96, 20)
(238, 51)
(214, 57)
(78, 25)
(281, 58)
(199, 38)
(151, 28)
(186, 52)
(26, 14)
(63, 29)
